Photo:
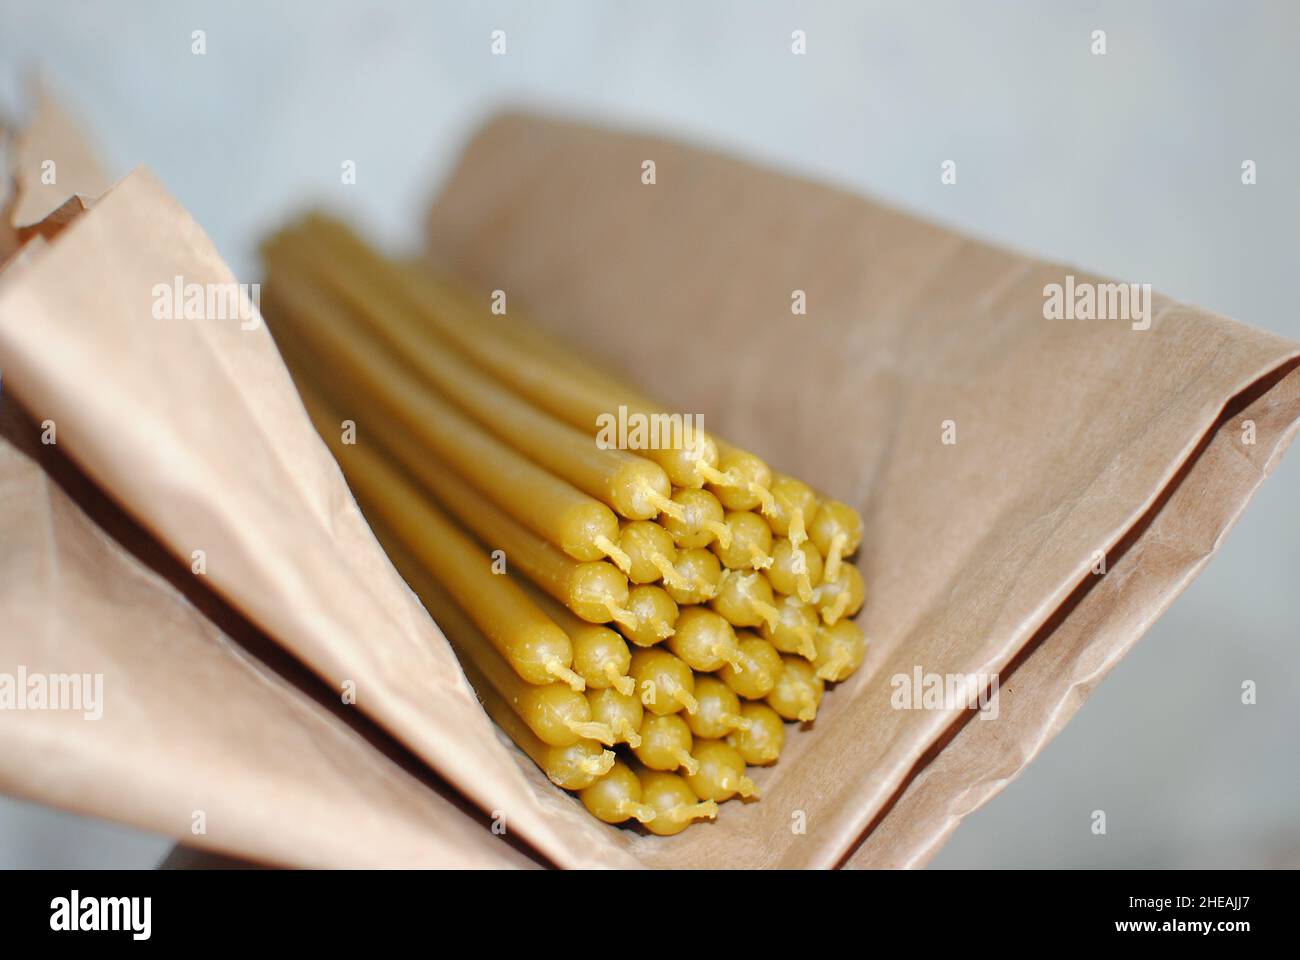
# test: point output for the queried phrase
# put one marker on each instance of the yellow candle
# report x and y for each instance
(721, 773)
(616, 797)
(385, 396)
(798, 690)
(664, 682)
(719, 710)
(704, 641)
(761, 742)
(580, 401)
(837, 532)
(759, 666)
(840, 650)
(655, 613)
(675, 804)
(666, 744)
(841, 596)
(794, 507)
(600, 655)
(749, 543)
(746, 481)
(537, 649)
(795, 570)
(556, 716)
(618, 711)
(597, 591)
(700, 574)
(795, 630)
(700, 520)
(650, 553)
(578, 765)
(745, 599)
(632, 485)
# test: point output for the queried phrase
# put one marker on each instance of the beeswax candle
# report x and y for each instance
(664, 683)
(746, 599)
(655, 613)
(721, 773)
(794, 507)
(407, 416)
(841, 649)
(600, 655)
(621, 712)
(675, 804)
(666, 744)
(536, 649)
(719, 709)
(760, 743)
(597, 591)
(616, 797)
(837, 532)
(798, 690)
(632, 485)
(700, 520)
(755, 675)
(746, 480)
(748, 544)
(842, 596)
(699, 573)
(795, 570)
(795, 630)
(581, 402)
(650, 553)
(547, 722)
(704, 640)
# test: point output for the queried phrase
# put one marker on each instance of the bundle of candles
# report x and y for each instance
(642, 623)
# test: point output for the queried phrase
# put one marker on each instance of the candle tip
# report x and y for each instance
(711, 474)
(562, 673)
(736, 721)
(641, 812)
(592, 731)
(621, 682)
(719, 530)
(614, 552)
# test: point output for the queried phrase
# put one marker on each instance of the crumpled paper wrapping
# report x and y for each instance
(1071, 437)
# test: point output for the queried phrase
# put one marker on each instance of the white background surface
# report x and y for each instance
(1128, 164)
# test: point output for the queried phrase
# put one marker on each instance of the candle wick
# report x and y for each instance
(630, 736)
(807, 646)
(832, 613)
(770, 614)
(642, 813)
(766, 502)
(719, 530)
(670, 573)
(687, 763)
(834, 554)
(617, 613)
(592, 731)
(736, 721)
(704, 810)
(758, 559)
(598, 766)
(803, 584)
(619, 680)
(748, 788)
(612, 550)
(798, 535)
(661, 503)
(831, 669)
(560, 672)
(734, 659)
(663, 629)
(687, 700)
(711, 474)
